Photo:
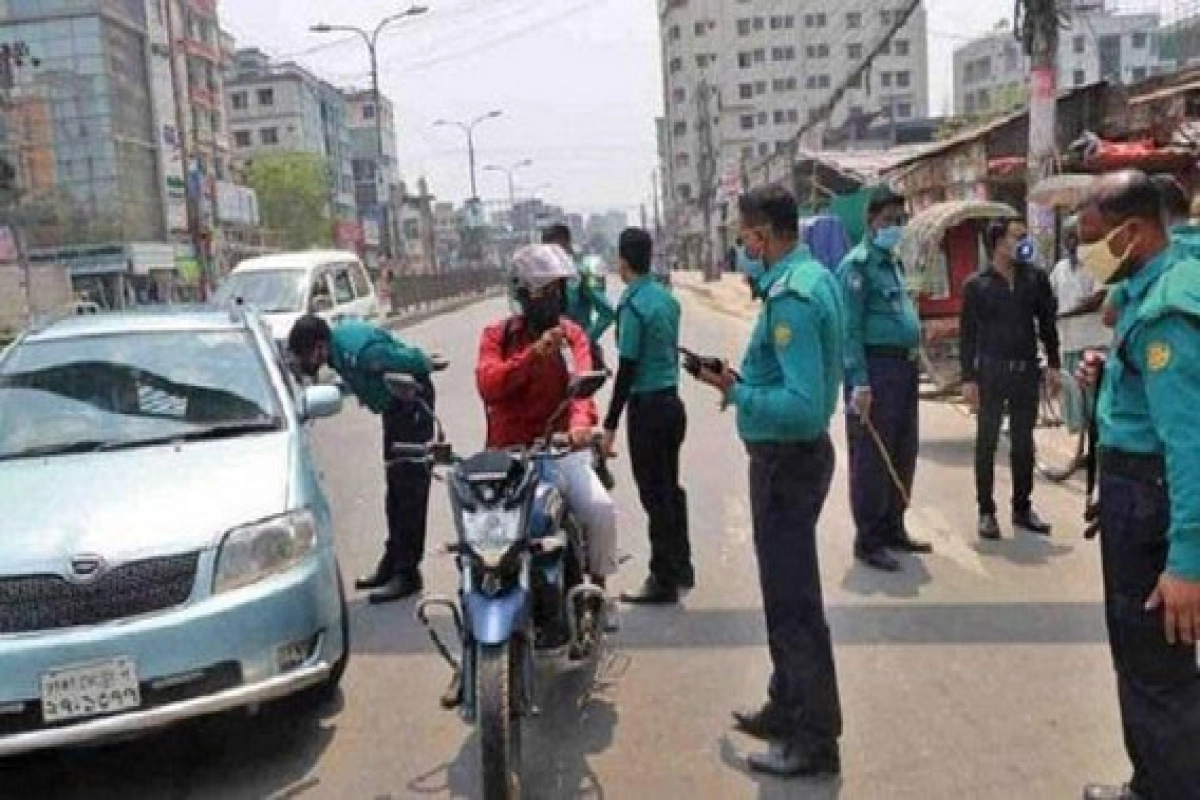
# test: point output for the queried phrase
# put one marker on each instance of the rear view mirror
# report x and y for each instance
(586, 384)
(402, 387)
(320, 401)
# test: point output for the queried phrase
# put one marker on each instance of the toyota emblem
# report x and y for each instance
(86, 568)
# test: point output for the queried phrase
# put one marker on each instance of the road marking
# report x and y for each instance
(931, 525)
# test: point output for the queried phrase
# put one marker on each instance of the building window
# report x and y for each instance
(702, 60)
(700, 28)
(238, 101)
(1079, 44)
(764, 149)
(885, 16)
(885, 49)
(822, 20)
(856, 82)
(1139, 40)
(759, 24)
(745, 60)
(679, 94)
(266, 97)
(747, 122)
(885, 79)
(780, 117)
(676, 64)
(901, 48)
(793, 115)
(854, 20)
(269, 135)
(854, 52)
(746, 91)
(680, 128)
(810, 20)
(1080, 77)
(1139, 73)
(903, 110)
(682, 159)
(241, 138)
(903, 79)
(824, 81)
(675, 33)
(743, 27)
(368, 111)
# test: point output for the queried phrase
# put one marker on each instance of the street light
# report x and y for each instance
(469, 129)
(372, 40)
(510, 171)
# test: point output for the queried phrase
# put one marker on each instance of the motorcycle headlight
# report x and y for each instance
(258, 551)
(492, 533)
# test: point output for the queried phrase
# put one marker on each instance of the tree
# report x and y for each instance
(293, 197)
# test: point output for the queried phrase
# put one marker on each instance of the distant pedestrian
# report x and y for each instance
(883, 376)
(1007, 307)
(785, 396)
(648, 380)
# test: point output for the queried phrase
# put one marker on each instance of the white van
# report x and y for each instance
(285, 286)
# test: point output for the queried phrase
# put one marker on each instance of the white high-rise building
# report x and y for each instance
(742, 76)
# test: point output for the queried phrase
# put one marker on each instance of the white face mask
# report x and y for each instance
(1098, 259)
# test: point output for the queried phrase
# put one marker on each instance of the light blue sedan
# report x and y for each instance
(166, 548)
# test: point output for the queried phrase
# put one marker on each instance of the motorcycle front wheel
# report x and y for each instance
(498, 673)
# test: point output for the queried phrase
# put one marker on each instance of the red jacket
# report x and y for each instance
(521, 390)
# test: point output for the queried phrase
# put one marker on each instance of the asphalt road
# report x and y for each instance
(979, 672)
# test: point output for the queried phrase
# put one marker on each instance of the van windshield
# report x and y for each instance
(269, 291)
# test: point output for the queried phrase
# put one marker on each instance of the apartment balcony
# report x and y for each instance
(205, 96)
(202, 50)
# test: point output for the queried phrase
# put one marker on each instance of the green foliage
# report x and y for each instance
(293, 197)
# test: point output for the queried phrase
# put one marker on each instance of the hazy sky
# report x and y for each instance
(578, 81)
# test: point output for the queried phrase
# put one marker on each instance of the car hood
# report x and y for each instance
(137, 503)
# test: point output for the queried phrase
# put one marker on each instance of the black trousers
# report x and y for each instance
(1002, 389)
(1158, 685)
(407, 484)
(657, 425)
(788, 487)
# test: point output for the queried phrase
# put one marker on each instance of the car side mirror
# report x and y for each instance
(319, 402)
(401, 386)
(586, 384)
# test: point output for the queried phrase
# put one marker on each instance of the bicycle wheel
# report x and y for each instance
(1058, 438)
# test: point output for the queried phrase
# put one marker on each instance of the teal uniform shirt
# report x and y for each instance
(648, 333)
(792, 370)
(588, 308)
(361, 353)
(1185, 241)
(1147, 401)
(879, 309)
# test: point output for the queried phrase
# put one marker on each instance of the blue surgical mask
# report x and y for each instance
(752, 268)
(887, 238)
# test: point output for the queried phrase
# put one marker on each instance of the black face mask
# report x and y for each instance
(543, 312)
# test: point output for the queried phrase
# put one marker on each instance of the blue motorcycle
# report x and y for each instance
(524, 588)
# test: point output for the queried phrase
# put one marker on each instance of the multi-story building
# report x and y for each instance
(991, 74)
(280, 108)
(741, 78)
(376, 178)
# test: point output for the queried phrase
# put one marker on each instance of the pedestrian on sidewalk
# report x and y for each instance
(361, 354)
(1149, 469)
(883, 378)
(1007, 307)
(785, 397)
(648, 380)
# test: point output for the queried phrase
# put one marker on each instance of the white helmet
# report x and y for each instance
(537, 265)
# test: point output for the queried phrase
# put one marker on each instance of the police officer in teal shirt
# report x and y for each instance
(1149, 476)
(648, 380)
(587, 306)
(361, 353)
(883, 334)
(786, 395)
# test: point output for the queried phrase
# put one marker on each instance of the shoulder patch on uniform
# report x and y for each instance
(1158, 356)
(783, 335)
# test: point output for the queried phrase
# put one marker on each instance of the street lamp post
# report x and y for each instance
(510, 171)
(469, 129)
(372, 40)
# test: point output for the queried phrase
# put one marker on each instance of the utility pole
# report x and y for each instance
(13, 56)
(708, 175)
(1037, 24)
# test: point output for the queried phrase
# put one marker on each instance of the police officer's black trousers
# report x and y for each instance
(1016, 390)
(407, 484)
(788, 487)
(1158, 685)
(657, 425)
(877, 505)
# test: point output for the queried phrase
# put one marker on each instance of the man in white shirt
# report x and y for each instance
(1074, 288)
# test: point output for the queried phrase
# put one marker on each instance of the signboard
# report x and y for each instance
(147, 258)
(370, 232)
(237, 205)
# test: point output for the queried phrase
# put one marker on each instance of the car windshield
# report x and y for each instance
(270, 291)
(132, 389)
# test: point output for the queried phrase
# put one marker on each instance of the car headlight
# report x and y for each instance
(254, 552)
(491, 533)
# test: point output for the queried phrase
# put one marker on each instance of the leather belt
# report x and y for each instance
(1142, 467)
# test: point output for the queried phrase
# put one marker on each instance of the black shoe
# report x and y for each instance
(907, 544)
(398, 587)
(768, 723)
(376, 580)
(1031, 522)
(989, 528)
(879, 559)
(652, 593)
(1097, 791)
(786, 760)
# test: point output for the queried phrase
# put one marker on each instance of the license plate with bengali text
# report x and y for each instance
(90, 690)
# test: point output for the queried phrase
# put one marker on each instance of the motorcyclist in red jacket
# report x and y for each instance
(525, 364)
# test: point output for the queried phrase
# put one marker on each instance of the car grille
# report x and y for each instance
(48, 602)
(27, 716)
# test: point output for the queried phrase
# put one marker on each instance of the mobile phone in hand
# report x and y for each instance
(693, 363)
